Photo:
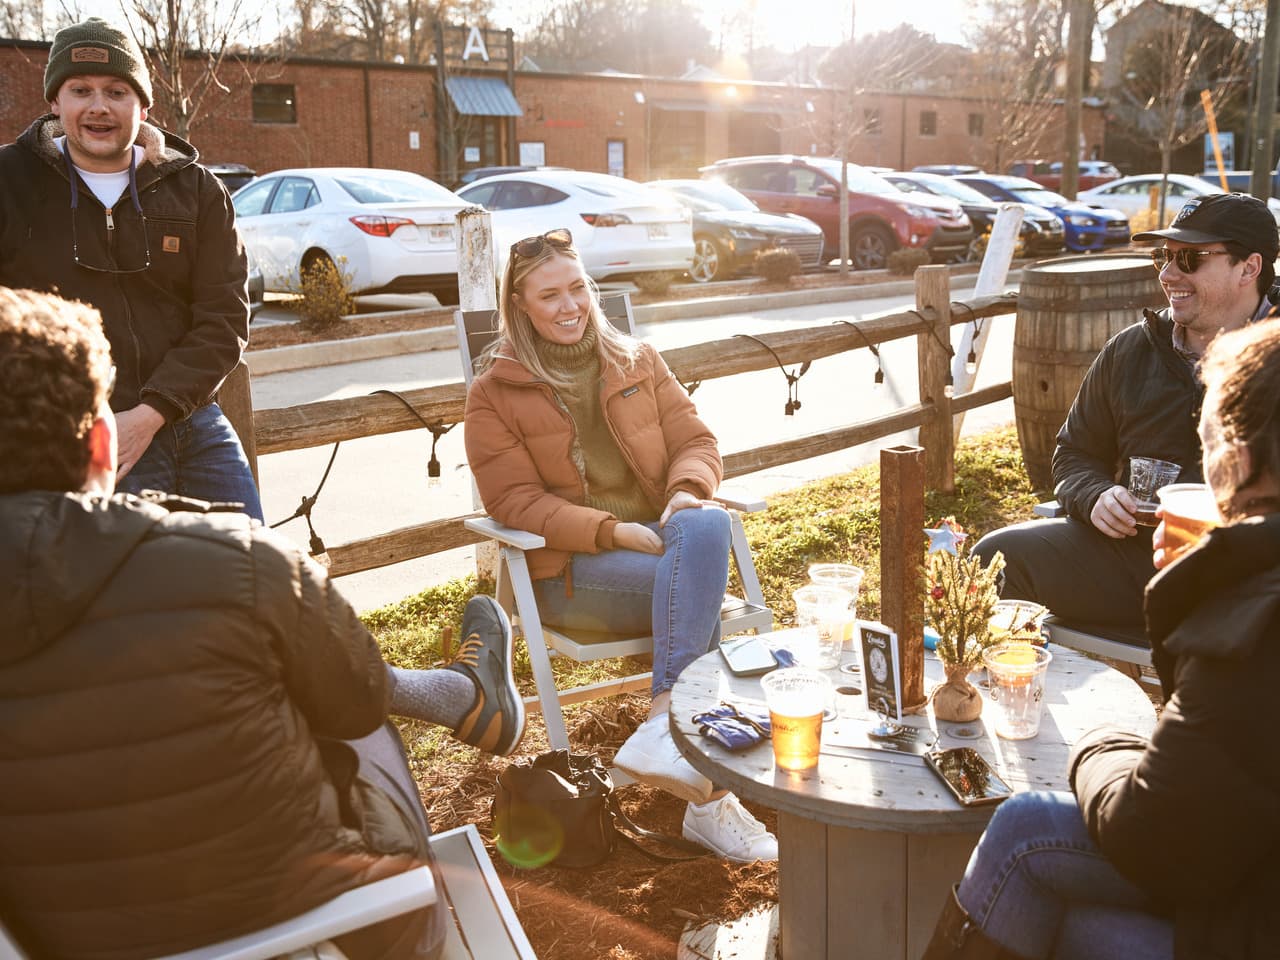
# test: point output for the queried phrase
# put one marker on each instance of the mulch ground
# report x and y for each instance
(628, 907)
(283, 335)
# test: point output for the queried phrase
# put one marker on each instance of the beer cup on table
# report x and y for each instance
(795, 697)
(1146, 476)
(824, 618)
(1190, 511)
(842, 576)
(1016, 673)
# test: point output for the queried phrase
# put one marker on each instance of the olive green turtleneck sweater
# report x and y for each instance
(610, 484)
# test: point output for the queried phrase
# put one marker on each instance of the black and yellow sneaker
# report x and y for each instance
(495, 722)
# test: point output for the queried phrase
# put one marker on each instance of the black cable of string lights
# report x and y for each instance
(875, 351)
(793, 379)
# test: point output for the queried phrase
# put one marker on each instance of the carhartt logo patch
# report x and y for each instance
(171, 244)
(90, 55)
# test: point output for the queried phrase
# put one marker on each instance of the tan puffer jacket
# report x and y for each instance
(523, 450)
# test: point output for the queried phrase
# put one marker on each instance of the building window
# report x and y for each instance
(975, 124)
(871, 121)
(273, 103)
(928, 123)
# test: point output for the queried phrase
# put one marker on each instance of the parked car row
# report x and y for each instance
(394, 231)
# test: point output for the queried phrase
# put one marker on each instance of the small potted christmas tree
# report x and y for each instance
(961, 596)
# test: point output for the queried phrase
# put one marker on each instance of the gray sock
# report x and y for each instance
(437, 696)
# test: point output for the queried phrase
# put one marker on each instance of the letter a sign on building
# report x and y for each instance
(475, 44)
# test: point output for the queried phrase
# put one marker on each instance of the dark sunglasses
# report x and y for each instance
(1188, 259)
(559, 238)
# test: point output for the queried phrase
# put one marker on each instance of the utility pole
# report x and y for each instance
(1263, 161)
(1077, 44)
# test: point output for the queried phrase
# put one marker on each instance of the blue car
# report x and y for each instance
(1087, 228)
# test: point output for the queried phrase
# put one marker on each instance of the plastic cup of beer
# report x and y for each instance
(795, 697)
(1016, 675)
(824, 617)
(844, 576)
(1146, 476)
(1190, 511)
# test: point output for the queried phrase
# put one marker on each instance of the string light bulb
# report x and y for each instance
(971, 362)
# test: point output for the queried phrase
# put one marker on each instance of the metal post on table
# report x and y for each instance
(901, 559)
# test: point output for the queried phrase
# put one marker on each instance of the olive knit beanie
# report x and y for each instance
(99, 48)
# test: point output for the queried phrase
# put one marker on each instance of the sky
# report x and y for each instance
(821, 22)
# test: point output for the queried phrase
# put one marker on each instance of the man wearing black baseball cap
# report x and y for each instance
(1140, 398)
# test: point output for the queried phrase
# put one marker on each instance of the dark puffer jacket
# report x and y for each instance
(164, 678)
(1139, 399)
(1193, 816)
(177, 328)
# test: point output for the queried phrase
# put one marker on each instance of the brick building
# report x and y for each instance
(312, 112)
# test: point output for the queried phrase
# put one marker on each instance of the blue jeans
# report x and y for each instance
(199, 457)
(1039, 886)
(676, 596)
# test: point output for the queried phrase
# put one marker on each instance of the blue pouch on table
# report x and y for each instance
(732, 728)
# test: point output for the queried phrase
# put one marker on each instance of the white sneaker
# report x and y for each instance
(650, 756)
(726, 827)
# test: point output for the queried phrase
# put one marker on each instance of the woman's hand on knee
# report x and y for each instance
(680, 500)
(636, 536)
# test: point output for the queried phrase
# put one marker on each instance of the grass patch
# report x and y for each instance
(829, 520)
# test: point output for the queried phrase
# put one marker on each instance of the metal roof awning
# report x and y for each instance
(482, 97)
(687, 106)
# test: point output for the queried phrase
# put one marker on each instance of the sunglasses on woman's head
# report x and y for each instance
(559, 238)
(1188, 259)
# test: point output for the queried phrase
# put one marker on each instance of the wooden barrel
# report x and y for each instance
(1067, 310)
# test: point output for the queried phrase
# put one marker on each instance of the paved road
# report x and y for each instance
(380, 483)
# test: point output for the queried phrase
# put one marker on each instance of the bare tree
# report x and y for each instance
(652, 36)
(1022, 44)
(187, 44)
(888, 61)
(22, 19)
(1187, 53)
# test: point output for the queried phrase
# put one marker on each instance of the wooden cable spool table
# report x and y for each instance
(870, 841)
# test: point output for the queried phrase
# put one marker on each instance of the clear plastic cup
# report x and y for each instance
(1016, 674)
(824, 617)
(1190, 511)
(1146, 476)
(795, 697)
(844, 576)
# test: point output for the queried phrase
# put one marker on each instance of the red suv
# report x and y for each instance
(1093, 173)
(881, 217)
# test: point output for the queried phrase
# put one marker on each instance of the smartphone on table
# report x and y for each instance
(747, 656)
(968, 775)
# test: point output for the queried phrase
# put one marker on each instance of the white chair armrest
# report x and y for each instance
(740, 500)
(361, 907)
(520, 539)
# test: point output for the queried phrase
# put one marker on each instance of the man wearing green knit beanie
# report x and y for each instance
(101, 206)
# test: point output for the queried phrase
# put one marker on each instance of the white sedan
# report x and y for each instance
(623, 229)
(389, 230)
(1132, 195)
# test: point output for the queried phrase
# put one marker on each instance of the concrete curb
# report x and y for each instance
(305, 356)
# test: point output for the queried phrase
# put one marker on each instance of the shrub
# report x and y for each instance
(655, 283)
(904, 262)
(325, 293)
(978, 248)
(777, 265)
(1146, 219)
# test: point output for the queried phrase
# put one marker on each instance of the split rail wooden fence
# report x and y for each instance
(327, 421)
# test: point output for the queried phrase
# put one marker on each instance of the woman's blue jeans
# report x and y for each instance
(675, 596)
(1039, 886)
(199, 457)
